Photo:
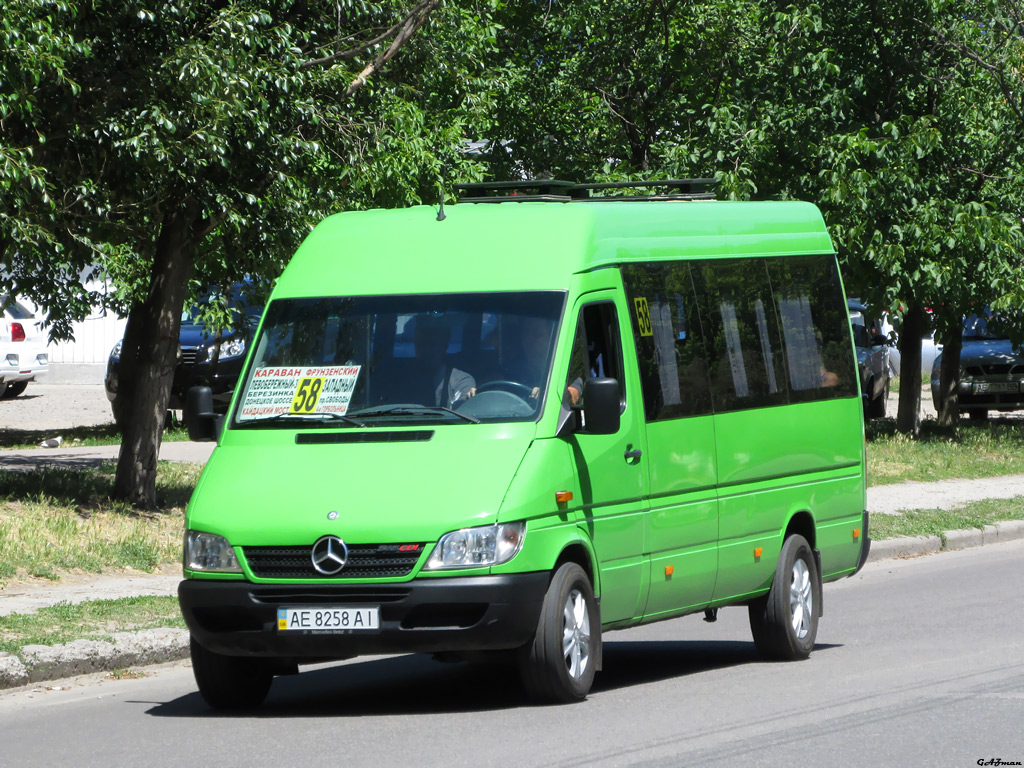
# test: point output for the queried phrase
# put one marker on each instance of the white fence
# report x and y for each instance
(94, 337)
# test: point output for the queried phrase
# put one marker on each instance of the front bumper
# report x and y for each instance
(475, 613)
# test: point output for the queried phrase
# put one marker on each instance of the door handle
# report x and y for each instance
(632, 456)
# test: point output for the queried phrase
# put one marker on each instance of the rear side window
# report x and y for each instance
(813, 317)
(669, 340)
(730, 334)
(745, 353)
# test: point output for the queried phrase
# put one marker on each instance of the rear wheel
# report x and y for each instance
(559, 664)
(14, 389)
(784, 622)
(877, 407)
(230, 682)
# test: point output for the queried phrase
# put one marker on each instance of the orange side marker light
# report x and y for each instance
(856, 533)
(757, 553)
(669, 570)
(563, 496)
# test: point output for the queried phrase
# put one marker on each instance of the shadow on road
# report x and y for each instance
(416, 684)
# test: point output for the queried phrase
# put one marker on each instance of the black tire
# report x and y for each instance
(230, 682)
(559, 664)
(877, 407)
(784, 622)
(14, 389)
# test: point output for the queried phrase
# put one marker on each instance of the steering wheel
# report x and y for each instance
(512, 387)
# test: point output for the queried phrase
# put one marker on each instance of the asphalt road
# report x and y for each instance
(919, 662)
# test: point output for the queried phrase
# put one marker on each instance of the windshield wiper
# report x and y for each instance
(408, 410)
(318, 418)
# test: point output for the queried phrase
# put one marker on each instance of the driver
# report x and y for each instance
(440, 384)
(531, 365)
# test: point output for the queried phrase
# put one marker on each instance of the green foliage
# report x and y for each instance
(116, 114)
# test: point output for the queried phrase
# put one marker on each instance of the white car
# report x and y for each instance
(23, 355)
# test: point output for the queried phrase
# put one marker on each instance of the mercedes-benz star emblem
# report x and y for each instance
(329, 555)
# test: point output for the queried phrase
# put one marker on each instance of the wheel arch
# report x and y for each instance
(802, 522)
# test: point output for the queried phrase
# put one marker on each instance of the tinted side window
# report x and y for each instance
(669, 342)
(813, 316)
(745, 353)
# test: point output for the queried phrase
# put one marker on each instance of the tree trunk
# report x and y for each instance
(151, 349)
(915, 324)
(948, 404)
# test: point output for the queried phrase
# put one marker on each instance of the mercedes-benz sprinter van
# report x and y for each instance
(516, 425)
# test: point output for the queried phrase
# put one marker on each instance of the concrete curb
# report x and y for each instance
(912, 546)
(41, 663)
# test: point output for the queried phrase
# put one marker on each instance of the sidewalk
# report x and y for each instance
(133, 649)
(93, 456)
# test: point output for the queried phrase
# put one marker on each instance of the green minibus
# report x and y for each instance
(506, 427)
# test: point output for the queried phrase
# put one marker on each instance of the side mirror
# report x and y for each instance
(602, 407)
(200, 420)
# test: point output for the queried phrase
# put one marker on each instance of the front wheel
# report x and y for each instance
(559, 664)
(784, 622)
(230, 682)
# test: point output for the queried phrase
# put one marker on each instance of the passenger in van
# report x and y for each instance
(437, 382)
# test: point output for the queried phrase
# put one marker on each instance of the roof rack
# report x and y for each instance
(558, 191)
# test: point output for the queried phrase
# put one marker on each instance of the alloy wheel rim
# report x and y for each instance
(576, 635)
(801, 599)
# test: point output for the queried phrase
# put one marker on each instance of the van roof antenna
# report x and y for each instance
(440, 208)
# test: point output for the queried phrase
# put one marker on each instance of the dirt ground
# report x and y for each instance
(56, 406)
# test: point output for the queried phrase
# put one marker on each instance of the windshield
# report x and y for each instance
(984, 326)
(224, 309)
(460, 358)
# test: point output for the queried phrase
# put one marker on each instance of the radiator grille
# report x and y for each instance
(365, 561)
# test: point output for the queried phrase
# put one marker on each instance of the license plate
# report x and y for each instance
(340, 618)
(996, 386)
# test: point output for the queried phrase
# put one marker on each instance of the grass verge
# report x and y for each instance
(76, 437)
(974, 449)
(935, 522)
(95, 620)
(57, 519)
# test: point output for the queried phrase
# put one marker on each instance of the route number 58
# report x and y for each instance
(307, 394)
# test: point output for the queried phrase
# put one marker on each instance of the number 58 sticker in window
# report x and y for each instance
(643, 316)
(306, 394)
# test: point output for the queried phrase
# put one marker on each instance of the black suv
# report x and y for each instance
(212, 359)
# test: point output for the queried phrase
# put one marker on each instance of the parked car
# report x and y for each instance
(872, 359)
(23, 355)
(205, 358)
(991, 370)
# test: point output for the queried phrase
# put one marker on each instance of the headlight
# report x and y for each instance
(209, 552)
(115, 353)
(475, 547)
(227, 349)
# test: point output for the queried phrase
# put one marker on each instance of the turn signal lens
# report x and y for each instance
(563, 496)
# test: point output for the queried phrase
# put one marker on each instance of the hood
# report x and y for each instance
(989, 352)
(261, 487)
(196, 335)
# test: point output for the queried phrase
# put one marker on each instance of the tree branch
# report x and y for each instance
(416, 16)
